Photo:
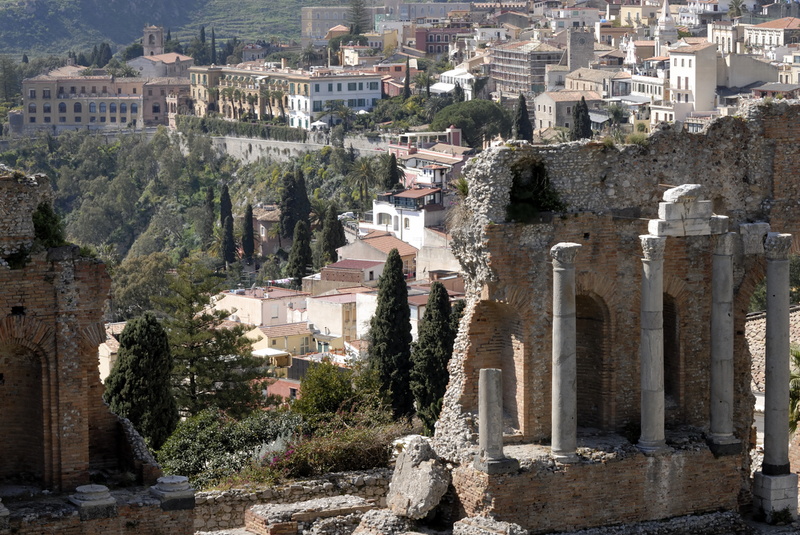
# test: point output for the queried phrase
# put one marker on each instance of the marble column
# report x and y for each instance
(564, 394)
(722, 439)
(776, 382)
(775, 486)
(651, 345)
(491, 458)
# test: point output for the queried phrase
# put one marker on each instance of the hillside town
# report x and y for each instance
(555, 238)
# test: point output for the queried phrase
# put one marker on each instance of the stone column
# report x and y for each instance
(564, 387)
(651, 345)
(722, 440)
(775, 487)
(491, 458)
(776, 381)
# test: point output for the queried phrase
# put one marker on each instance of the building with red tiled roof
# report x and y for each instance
(774, 33)
(295, 338)
(376, 246)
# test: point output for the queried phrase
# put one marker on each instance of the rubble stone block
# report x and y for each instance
(382, 522)
(419, 482)
(479, 525)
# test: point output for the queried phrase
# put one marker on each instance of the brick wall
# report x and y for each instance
(633, 489)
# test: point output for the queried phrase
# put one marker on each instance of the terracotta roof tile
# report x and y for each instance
(287, 329)
(385, 242)
(786, 23)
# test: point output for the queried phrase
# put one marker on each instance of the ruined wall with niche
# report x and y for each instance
(746, 165)
(55, 427)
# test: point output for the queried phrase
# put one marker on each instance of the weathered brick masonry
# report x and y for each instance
(54, 426)
(747, 166)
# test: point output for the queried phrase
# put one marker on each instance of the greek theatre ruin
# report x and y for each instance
(607, 293)
(55, 431)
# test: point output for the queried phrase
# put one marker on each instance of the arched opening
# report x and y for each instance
(672, 361)
(21, 417)
(593, 366)
(501, 345)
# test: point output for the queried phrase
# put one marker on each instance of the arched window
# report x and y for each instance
(103, 107)
(62, 107)
(92, 107)
(438, 38)
(430, 37)
(31, 108)
(446, 38)
(396, 223)
(156, 108)
(134, 108)
(592, 361)
(113, 107)
(123, 108)
(46, 107)
(406, 223)
(77, 108)
(384, 219)
(152, 39)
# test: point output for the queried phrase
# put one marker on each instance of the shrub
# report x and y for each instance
(637, 139)
(608, 142)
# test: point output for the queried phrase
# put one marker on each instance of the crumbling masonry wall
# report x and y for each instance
(747, 166)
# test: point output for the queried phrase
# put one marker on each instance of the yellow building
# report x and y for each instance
(294, 338)
(64, 99)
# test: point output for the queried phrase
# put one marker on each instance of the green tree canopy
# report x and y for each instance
(478, 120)
(430, 356)
(331, 238)
(581, 127)
(228, 248)
(325, 389)
(358, 18)
(523, 129)
(213, 364)
(248, 239)
(390, 336)
(225, 205)
(137, 282)
(139, 387)
(300, 255)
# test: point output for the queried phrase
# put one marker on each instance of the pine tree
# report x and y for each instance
(213, 366)
(390, 336)
(523, 129)
(358, 17)
(139, 387)
(228, 248)
(225, 206)
(332, 236)
(213, 48)
(299, 255)
(430, 356)
(206, 227)
(407, 81)
(248, 240)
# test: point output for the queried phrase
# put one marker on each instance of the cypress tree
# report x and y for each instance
(213, 47)
(299, 255)
(169, 34)
(332, 236)
(139, 385)
(24, 58)
(390, 336)
(302, 204)
(207, 222)
(430, 356)
(392, 174)
(248, 240)
(456, 311)
(287, 205)
(581, 127)
(523, 129)
(225, 206)
(407, 81)
(228, 248)
(203, 34)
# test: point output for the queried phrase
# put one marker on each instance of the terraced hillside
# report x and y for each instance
(40, 27)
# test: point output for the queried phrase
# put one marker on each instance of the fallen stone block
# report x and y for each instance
(419, 482)
(288, 519)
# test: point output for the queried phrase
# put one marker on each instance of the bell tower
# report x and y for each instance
(153, 41)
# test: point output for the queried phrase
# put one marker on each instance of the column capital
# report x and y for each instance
(565, 252)
(653, 246)
(724, 244)
(776, 246)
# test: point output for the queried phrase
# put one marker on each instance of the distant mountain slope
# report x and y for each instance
(54, 26)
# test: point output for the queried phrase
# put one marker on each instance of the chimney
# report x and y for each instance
(283, 63)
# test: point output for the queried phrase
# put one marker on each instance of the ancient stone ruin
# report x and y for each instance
(612, 312)
(56, 431)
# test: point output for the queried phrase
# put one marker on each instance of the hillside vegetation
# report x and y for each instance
(41, 27)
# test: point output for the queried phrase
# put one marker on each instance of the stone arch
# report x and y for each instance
(674, 300)
(498, 341)
(27, 393)
(596, 362)
(593, 360)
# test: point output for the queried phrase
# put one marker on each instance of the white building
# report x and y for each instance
(406, 214)
(263, 306)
